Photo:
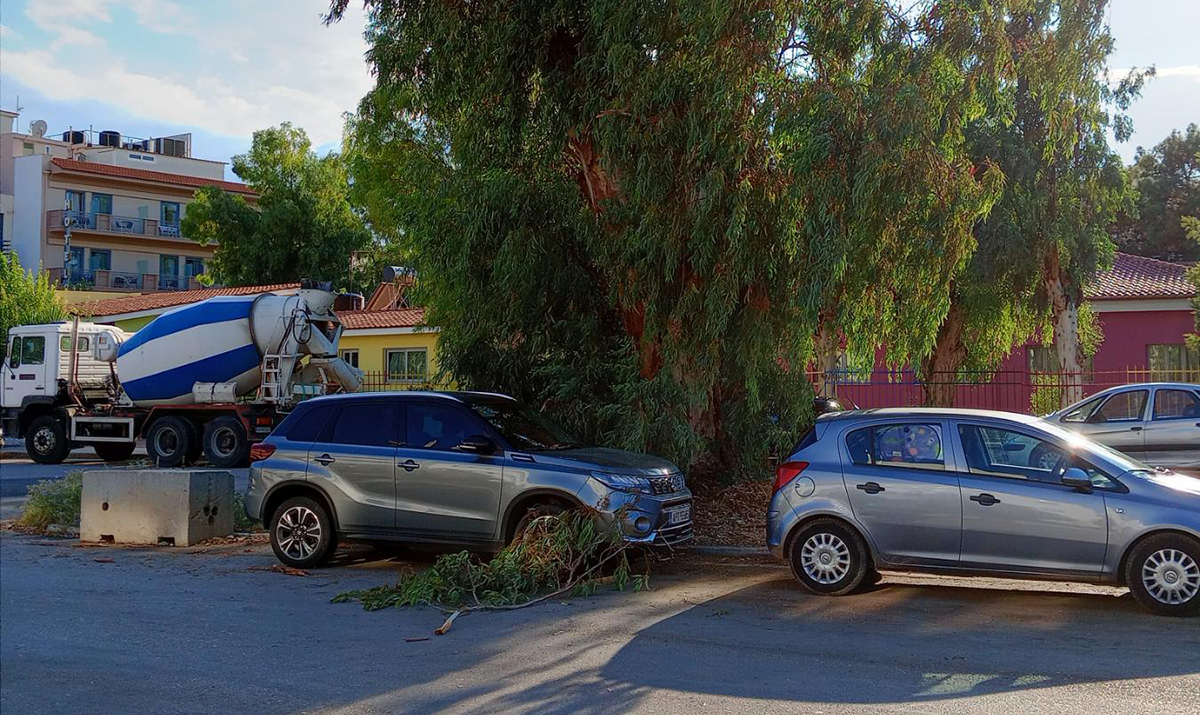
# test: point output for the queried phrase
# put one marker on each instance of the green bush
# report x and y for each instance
(556, 555)
(241, 521)
(53, 501)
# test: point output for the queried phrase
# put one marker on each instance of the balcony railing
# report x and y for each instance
(108, 223)
(101, 279)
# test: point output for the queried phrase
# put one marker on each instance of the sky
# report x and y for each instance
(221, 69)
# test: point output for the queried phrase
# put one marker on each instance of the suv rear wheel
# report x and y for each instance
(1163, 573)
(302, 533)
(829, 558)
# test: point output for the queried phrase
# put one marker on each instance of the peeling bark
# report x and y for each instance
(942, 365)
(828, 349)
(1064, 312)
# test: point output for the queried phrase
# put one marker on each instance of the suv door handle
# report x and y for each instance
(324, 460)
(985, 499)
(409, 465)
(870, 488)
(1135, 429)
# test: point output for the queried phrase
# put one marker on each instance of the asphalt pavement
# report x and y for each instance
(208, 630)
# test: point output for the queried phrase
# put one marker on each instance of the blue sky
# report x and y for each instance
(223, 68)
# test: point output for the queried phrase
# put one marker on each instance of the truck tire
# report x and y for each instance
(168, 441)
(114, 451)
(225, 443)
(195, 442)
(46, 440)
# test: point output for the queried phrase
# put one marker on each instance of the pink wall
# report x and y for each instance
(1126, 336)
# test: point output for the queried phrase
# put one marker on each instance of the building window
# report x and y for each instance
(193, 267)
(101, 203)
(100, 260)
(170, 213)
(1044, 360)
(74, 201)
(1172, 362)
(405, 365)
(27, 149)
(350, 357)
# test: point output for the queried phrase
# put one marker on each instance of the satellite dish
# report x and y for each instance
(38, 128)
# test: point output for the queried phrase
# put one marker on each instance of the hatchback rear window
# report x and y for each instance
(904, 445)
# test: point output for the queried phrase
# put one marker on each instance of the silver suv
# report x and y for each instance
(978, 492)
(445, 467)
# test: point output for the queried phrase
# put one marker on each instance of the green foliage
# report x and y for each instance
(53, 501)
(25, 299)
(638, 215)
(1167, 179)
(1191, 224)
(555, 555)
(1046, 396)
(241, 520)
(303, 225)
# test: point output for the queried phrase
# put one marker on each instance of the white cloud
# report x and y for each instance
(9, 33)
(1191, 72)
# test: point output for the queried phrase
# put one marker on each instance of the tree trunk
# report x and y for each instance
(1064, 313)
(828, 349)
(940, 369)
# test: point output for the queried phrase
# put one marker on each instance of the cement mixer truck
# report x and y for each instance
(208, 378)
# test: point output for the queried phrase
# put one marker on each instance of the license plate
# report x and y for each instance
(679, 514)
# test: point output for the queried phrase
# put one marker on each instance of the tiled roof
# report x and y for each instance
(403, 318)
(126, 172)
(1135, 277)
(166, 299)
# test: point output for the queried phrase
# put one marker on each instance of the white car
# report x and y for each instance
(1146, 418)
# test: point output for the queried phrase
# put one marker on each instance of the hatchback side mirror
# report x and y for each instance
(1077, 478)
(476, 444)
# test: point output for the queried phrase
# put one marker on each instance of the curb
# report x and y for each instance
(729, 550)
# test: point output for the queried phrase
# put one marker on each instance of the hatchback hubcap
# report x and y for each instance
(298, 532)
(1171, 576)
(825, 558)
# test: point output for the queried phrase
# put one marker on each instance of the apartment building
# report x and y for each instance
(101, 210)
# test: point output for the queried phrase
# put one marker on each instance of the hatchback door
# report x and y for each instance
(354, 461)
(1017, 515)
(902, 493)
(1120, 421)
(1174, 420)
(442, 491)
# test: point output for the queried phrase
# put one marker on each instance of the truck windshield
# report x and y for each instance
(526, 429)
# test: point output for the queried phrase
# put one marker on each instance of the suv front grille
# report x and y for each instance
(669, 484)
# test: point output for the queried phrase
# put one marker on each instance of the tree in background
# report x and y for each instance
(1167, 179)
(1064, 186)
(635, 214)
(26, 298)
(302, 227)
(1191, 226)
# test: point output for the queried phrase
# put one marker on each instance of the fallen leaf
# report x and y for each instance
(102, 560)
(280, 568)
(417, 639)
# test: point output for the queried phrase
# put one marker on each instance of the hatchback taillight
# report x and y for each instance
(786, 472)
(261, 451)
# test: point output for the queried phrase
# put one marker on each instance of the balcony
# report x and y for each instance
(117, 281)
(111, 225)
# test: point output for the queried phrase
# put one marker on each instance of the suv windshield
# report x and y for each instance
(526, 429)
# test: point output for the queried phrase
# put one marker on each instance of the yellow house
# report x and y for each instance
(394, 348)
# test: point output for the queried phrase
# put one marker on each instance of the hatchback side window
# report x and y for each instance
(1176, 404)
(365, 423)
(33, 350)
(439, 427)
(906, 445)
(1005, 453)
(1123, 407)
(1083, 412)
(309, 424)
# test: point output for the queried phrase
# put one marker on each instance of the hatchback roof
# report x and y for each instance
(927, 412)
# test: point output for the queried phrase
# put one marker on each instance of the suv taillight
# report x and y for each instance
(786, 472)
(261, 451)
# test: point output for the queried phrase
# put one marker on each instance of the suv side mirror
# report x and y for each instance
(1077, 478)
(476, 444)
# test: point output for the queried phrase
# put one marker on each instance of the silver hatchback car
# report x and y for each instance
(984, 493)
(1146, 418)
(464, 468)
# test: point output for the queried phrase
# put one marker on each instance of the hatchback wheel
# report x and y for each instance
(302, 533)
(1163, 573)
(829, 558)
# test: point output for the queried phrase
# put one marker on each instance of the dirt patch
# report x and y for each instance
(731, 516)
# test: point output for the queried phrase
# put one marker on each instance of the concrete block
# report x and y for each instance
(152, 506)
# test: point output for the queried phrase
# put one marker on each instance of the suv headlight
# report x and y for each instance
(624, 482)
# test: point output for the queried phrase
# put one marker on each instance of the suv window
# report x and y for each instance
(371, 424)
(906, 445)
(1175, 404)
(33, 350)
(1123, 407)
(439, 426)
(309, 424)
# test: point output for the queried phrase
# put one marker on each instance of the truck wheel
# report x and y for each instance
(195, 443)
(225, 443)
(114, 451)
(168, 441)
(46, 440)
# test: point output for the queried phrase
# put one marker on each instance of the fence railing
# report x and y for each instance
(379, 381)
(1011, 391)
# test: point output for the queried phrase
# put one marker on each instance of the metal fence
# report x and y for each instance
(1011, 391)
(379, 381)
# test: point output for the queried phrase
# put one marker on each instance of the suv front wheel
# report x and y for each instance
(302, 533)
